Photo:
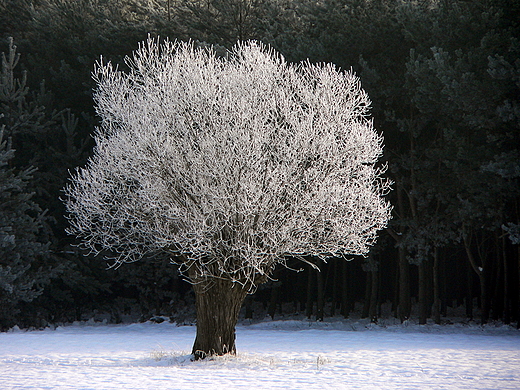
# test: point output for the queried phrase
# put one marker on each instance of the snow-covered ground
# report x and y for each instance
(337, 354)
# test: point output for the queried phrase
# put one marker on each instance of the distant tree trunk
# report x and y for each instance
(518, 301)
(368, 289)
(480, 271)
(301, 290)
(320, 302)
(334, 268)
(484, 298)
(423, 293)
(249, 307)
(218, 304)
(444, 295)
(345, 298)
(405, 306)
(436, 289)
(274, 299)
(507, 306)
(395, 298)
(309, 305)
(497, 302)
(469, 292)
(374, 298)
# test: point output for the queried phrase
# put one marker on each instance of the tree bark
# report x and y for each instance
(374, 296)
(469, 293)
(310, 288)
(423, 311)
(249, 307)
(497, 301)
(273, 303)
(218, 304)
(507, 304)
(345, 295)
(518, 301)
(320, 302)
(436, 288)
(334, 268)
(405, 306)
(366, 304)
(480, 271)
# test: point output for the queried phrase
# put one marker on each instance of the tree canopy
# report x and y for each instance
(232, 163)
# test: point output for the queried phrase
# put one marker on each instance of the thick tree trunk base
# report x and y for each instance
(218, 305)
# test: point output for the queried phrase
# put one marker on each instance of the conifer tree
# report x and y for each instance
(25, 236)
(22, 248)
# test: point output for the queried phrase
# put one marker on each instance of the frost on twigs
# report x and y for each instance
(229, 163)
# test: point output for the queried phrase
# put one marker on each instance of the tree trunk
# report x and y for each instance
(374, 299)
(273, 303)
(395, 298)
(368, 289)
(218, 304)
(518, 301)
(484, 299)
(405, 305)
(423, 311)
(334, 267)
(444, 294)
(345, 296)
(497, 301)
(507, 305)
(320, 302)
(436, 288)
(480, 271)
(469, 293)
(310, 288)
(249, 307)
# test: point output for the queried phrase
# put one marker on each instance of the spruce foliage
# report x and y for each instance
(23, 248)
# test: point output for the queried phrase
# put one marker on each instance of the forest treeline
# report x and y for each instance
(444, 80)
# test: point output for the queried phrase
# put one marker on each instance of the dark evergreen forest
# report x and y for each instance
(444, 80)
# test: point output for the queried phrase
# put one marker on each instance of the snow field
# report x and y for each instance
(271, 355)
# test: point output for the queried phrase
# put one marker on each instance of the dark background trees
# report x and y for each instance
(444, 79)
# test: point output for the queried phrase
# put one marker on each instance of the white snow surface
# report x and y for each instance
(290, 354)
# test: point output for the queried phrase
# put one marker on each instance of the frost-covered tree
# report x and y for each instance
(229, 164)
